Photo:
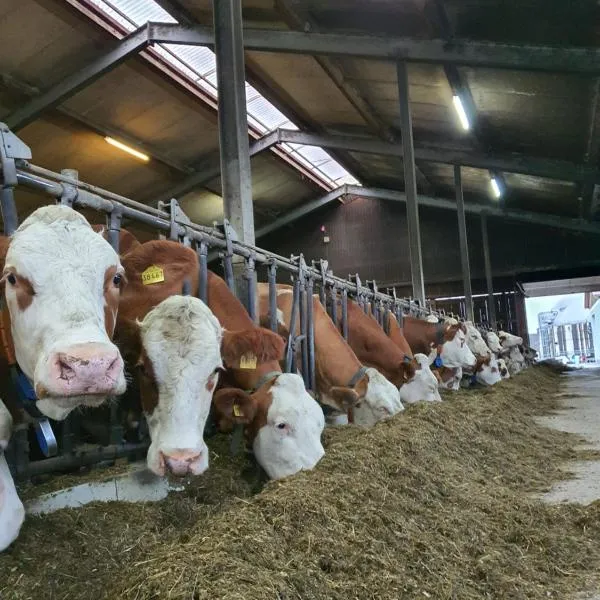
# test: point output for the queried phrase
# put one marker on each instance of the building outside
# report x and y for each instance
(567, 330)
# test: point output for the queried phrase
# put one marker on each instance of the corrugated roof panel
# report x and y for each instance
(199, 64)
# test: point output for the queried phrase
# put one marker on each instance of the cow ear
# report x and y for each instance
(256, 345)
(361, 386)
(232, 407)
(340, 398)
(128, 339)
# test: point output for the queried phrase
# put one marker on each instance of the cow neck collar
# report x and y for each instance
(440, 332)
(362, 371)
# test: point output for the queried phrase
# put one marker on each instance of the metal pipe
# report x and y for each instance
(410, 185)
(310, 334)
(345, 313)
(272, 279)
(228, 268)
(202, 250)
(464, 245)
(334, 301)
(488, 273)
(304, 333)
(250, 277)
(290, 354)
(9, 210)
(72, 461)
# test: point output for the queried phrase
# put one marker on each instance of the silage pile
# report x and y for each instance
(434, 504)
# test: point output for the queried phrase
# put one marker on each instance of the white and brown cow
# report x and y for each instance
(343, 383)
(282, 423)
(61, 285)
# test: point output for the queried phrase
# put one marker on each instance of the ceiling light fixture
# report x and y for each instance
(127, 149)
(462, 114)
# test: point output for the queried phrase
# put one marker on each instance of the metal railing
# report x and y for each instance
(170, 220)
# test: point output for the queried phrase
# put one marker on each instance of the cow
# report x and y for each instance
(12, 512)
(493, 342)
(486, 371)
(515, 360)
(448, 342)
(61, 342)
(423, 386)
(343, 383)
(282, 423)
(475, 341)
(448, 379)
(503, 369)
(61, 285)
(529, 354)
(508, 340)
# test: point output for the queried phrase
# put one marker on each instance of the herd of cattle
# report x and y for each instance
(76, 318)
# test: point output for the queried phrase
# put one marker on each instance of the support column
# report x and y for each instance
(233, 121)
(410, 186)
(488, 272)
(464, 245)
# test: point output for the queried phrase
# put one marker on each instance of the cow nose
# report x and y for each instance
(91, 368)
(181, 462)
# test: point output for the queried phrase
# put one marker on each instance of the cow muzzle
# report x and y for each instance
(94, 369)
(184, 461)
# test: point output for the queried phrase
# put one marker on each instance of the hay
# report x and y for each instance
(436, 503)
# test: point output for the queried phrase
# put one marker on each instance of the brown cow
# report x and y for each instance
(342, 382)
(281, 421)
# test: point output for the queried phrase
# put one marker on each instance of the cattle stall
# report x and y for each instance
(82, 439)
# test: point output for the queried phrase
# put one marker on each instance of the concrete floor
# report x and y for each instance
(581, 398)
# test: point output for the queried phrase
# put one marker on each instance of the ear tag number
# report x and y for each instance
(153, 274)
(248, 361)
(236, 411)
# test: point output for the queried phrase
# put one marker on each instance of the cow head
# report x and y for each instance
(175, 354)
(449, 379)
(12, 513)
(455, 352)
(487, 371)
(508, 340)
(503, 369)
(423, 386)
(62, 283)
(493, 342)
(282, 423)
(475, 341)
(372, 399)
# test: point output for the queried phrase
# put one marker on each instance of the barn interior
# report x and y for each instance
(507, 118)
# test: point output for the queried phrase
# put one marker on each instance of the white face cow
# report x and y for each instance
(493, 342)
(508, 340)
(515, 361)
(475, 341)
(503, 369)
(62, 286)
(282, 423)
(456, 353)
(489, 372)
(382, 400)
(176, 351)
(423, 387)
(12, 512)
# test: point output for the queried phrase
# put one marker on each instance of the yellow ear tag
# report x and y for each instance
(153, 274)
(236, 411)
(248, 361)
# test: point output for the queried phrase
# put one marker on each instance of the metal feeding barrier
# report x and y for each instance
(76, 445)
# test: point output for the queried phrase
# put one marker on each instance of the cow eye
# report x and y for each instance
(117, 279)
(11, 279)
(281, 426)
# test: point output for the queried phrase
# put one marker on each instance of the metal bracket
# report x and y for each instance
(11, 148)
(176, 217)
(114, 220)
(230, 235)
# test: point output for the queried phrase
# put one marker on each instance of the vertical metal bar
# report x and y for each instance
(272, 279)
(304, 333)
(114, 228)
(228, 269)
(9, 210)
(345, 313)
(488, 273)
(334, 308)
(290, 354)
(464, 245)
(203, 275)
(410, 185)
(233, 122)
(310, 334)
(250, 277)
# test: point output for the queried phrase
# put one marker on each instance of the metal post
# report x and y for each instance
(334, 301)
(233, 122)
(310, 334)
(410, 185)
(345, 313)
(488, 273)
(114, 228)
(202, 250)
(464, 245)
(250, 277)
(272, 279)
(290, 358)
